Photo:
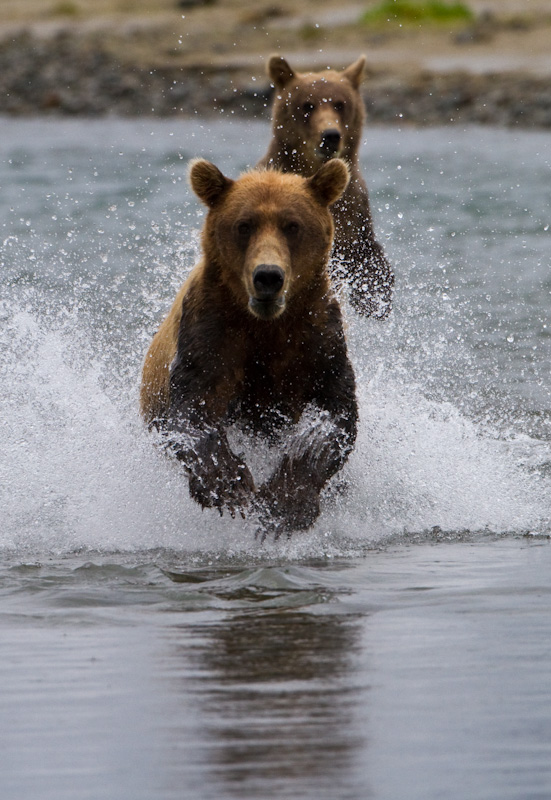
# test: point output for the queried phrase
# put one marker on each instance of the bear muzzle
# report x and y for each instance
(268, 298)
(330, 143)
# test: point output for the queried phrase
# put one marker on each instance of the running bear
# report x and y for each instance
(317, 117)
(255, 338)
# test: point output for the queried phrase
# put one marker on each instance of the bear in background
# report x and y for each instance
(317, 117)
(255, 338)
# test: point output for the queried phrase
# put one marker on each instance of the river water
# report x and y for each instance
(400, 649)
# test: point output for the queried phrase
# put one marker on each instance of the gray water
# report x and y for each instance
(400, 649)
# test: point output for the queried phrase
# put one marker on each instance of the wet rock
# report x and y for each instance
(482, 30)
(194, 3)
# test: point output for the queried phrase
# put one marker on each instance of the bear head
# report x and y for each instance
(268, 235)
(319, 116)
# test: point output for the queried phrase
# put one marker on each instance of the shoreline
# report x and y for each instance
(475, 75)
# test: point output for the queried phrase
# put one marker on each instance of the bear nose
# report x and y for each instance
(268, 280)
(331, 139)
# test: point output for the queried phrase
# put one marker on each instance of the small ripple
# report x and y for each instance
(263, 588)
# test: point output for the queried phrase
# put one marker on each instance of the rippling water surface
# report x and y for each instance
(399, 649)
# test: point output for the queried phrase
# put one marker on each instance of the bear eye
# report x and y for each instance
(244, 229)
(291, 228)
(307, 108)
(338, 105)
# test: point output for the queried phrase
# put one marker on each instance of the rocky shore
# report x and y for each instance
(79, 72)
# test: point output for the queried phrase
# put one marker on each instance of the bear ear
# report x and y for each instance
(279, 71)
(330, 181)
(355, 72)
(207, 181)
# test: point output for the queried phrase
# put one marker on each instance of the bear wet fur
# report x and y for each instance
(316, 117)
(255, 337)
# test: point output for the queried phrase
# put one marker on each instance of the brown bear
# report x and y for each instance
(255, 338)
(317, 117)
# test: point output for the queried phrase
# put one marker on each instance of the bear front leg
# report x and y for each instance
(365, 270)
(358, 260)
(290, 500)
(372, 282)
(217, 477)
(200, 392)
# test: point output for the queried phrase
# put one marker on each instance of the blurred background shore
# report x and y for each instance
(435, 62)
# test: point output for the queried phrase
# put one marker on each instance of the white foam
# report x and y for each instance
(80, 471)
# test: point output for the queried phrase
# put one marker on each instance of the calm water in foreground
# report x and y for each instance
(402, 648)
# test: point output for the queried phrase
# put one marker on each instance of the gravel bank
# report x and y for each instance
(72, 74)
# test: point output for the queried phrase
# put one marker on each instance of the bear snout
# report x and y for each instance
(268, 298)
(329, 144)
(331, 138)
(268, 280)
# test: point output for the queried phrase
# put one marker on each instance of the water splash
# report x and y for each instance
(80, 471)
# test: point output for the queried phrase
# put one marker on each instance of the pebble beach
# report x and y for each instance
(203, 59)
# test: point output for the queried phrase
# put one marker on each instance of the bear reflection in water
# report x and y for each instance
(317, 117)
(255, 337)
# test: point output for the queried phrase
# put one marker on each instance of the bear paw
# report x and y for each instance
(285, 512)
(223, 485)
